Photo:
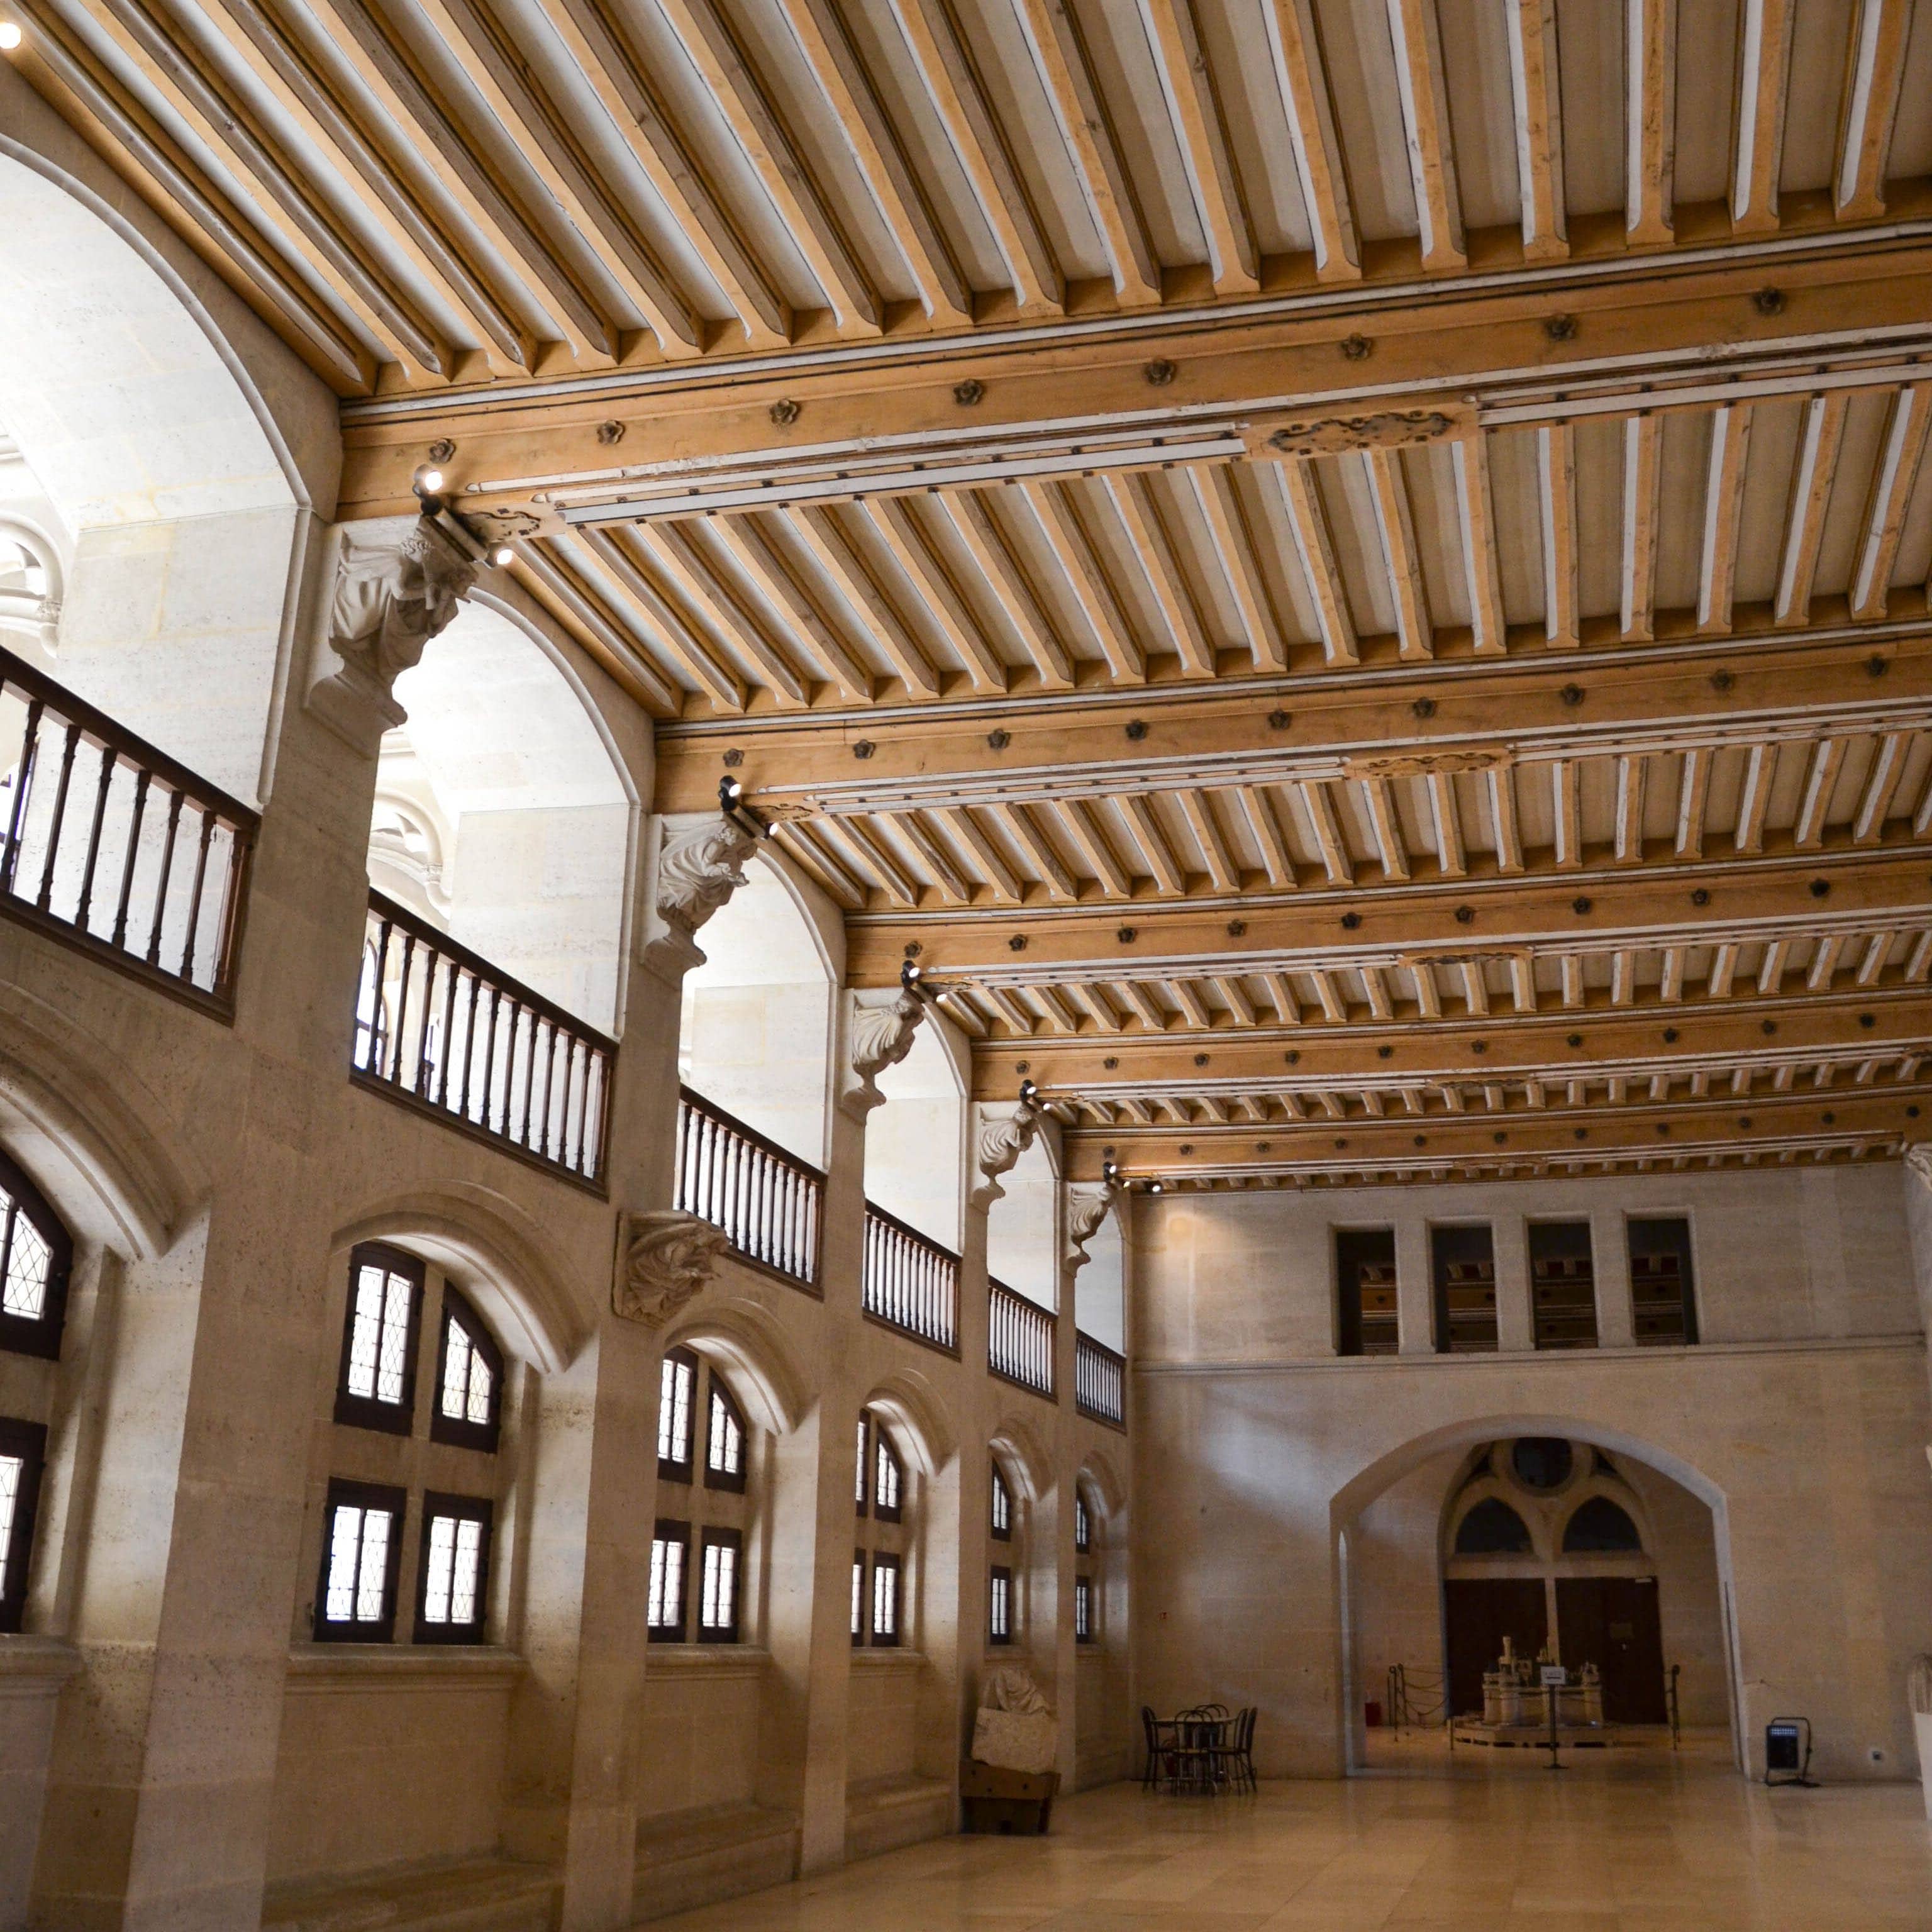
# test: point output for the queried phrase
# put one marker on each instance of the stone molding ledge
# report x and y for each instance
(320, 1668)
(710, 1662)
(35, 1666)
(865, 1657)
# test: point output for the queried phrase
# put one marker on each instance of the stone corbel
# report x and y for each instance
(1087, 1207)
(1918, 1161)
(398, 583)
(1000, 1140)
(663, 1258)
(700, 864)
(879, 1030)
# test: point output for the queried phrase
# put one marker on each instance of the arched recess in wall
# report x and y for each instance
(1023, 1225)
(916, 1140)
(163, 465)
(496, 1254)
(503, 816)
(759, 1361)
(917, 1411)
(1026, 1458)
(755, 1032)
(1349, 1503)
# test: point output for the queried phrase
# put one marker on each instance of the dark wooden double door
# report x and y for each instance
(1610, 1621)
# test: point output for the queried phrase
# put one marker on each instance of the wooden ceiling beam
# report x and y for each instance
(1295, 47)
(1757, 146)
(1890, 885)
(1870, 108)
(1415, 34)
(1537, 94)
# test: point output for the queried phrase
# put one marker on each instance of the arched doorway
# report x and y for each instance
(1498, 1526)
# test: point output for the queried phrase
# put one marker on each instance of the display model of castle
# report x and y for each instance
(1516, 1704)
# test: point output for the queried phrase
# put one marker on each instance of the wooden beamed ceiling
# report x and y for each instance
(1350, 580)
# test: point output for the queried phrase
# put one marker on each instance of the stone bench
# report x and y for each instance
(485, 1894)
(883, 1813)
(711, 1852)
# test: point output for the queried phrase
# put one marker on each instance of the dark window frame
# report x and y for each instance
(345, 1492)
(1445, 1237)
(731, 1481)
(369, 1411)
(470, 1509)
(27, 1441)
(883, 1445)
(1356, 1249)
(670, 1469)
(1083, 1522)
(718, 1536)
(862, 1607)
(1083, 1609)
(864, 1472)
(460, 1433)
(670, 1529)
(37, 1335)
(996, 1632)
(1683, 1245)
(885, 1559)
(1000, 1489)
(1594, 1508)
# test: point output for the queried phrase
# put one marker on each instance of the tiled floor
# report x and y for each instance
(1628, 1842)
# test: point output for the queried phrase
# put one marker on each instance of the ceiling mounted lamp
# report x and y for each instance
(428, 484)
(1029, 1093)
(11, 35)
(731, 803)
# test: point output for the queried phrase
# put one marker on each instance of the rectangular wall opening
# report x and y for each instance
(1562, 1285)
(1463, 1265)
(1365, 1291)
(1663, 1296)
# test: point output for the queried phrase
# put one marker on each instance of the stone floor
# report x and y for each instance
(1634, 1841)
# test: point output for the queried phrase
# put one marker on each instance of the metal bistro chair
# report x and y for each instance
(1240, 1754)
(1199, 1750)
(1159, 1749)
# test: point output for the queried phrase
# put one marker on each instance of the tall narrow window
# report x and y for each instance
(1562, 1285)
(361, 1552)
(1365, 1310)
(885, 1598)
(718, 1587)
(888, 1480)
(724, 1441)
(858, 1596)
(1083, 1610)
(36, 1257)
(663, 1613)
(677, 1383)
(468, 1379)
(378, 1385)
(999, 1606)
(453, 1573)
(1664, 1298)
(1002, 1507)
(864, 1487)
(23, 1447)
(1464, 1262)
(1083, 1523)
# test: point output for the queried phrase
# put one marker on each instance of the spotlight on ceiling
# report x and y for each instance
(1029, 1093)
(501, 556)
(10, 35)
(428, 483)
(1157, 1187)
(910, 975)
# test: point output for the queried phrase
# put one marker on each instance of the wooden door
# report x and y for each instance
(1479, 1612)
(1613, 1622)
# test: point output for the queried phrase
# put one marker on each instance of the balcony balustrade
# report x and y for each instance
(1020, 1340)
(442, 1030)
(108, 843)
(771, 1203)
(910, 1283)
(1099, 1382)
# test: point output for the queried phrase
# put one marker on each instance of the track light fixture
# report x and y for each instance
(1029, 1094)
(746, 818)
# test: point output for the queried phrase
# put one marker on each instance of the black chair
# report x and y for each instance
(1241, 1755)
(1159, 1755)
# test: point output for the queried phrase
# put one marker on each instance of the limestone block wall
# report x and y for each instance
(1257, 1446)
(698, 1732)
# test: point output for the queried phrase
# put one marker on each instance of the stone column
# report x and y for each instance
(1609, 1260)
(1414, 1296)
(159, 1802)
(1515, 1319)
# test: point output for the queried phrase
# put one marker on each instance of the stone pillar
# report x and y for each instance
(1414, 1296)
(1516, 1328)
(1610, 1260)
(159, 1802)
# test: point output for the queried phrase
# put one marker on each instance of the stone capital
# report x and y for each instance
(1918, 1161)
(1000, 1139)
(879, 1026)
(398, 583)
(664, 1259)
(700, 864)
(1087, 1207)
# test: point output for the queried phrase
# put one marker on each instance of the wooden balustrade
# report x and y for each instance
(911, 1283)
(107, 843)
(1020, 1340)
(1099, 1381)
(771, 1203)
(441, 1029)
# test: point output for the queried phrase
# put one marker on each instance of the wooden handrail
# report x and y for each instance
(1099, 1381)
(770, 1202)
(1020, 1339)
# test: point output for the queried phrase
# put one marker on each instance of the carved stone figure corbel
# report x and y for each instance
(1086, 1208)
(880, 1031)
(701, 863)
(398, 583)
(1002, 1139)
(1918, 1161)
(663, 1258)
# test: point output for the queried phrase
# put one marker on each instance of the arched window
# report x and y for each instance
(36, 1257)
(1599, 1525)
(1492, 1529)
(1083, 1521)
(468, 1379)
(377, 1389)
(1002, 1524)
(878, 1563)
(698, 1558)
